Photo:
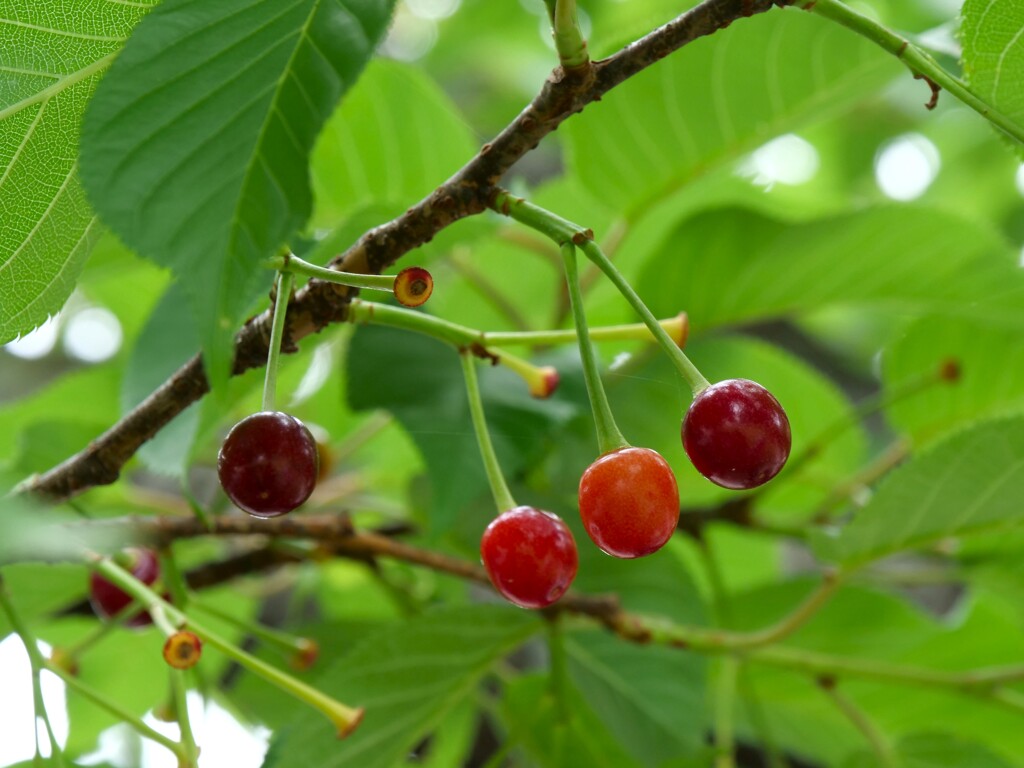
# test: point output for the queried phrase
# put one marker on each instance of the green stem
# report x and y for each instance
(562, 231)
(725, 693)
(919, 62)
(569, 42)
(284, 290)
(188, 738)
(876, 739)
(609, 438)
(283, 641)
(676, 326)
(296, 266)
(173, 578)
(559, 669)
(540, 380)
(499, 488)
(344, 718)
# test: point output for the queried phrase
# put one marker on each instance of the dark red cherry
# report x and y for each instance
(629, 502)
(530, 556)
(268, 464)
(109, 600)
(736, 434)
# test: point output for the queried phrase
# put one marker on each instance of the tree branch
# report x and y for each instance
(467, 193)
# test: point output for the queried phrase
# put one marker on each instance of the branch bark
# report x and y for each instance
(467, 193)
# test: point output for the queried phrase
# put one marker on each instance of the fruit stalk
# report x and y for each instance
(609, 438)
(499, 488)
(284, 290)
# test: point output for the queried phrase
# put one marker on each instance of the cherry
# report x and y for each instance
(736, 434)
(629, 502)
(268, 464)
(530, 556)
(108, 599)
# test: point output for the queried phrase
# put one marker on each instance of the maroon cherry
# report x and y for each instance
(629, 502)
(109, 600)
(530, 556)
(736, 434)
(268, 464)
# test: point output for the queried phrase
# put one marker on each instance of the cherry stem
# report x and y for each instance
(563, 231)
(284, 290)
(290, 644)
(569, 42)
(499, 488)
(725, 696)
(609, 438)
(291, 263)
(179, 689)
(345, 718)
(537, 378)
(38, 663)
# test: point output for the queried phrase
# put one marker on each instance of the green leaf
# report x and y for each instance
(52, 55)
(196, 146)
(991, 362)
(37, 590)
(396, 136)
(650, 697)
(167, 341)
(971, 482)
(716, 98)
(408, 678)
(993, 53)
(732, 266)
(534, 720)
(935, 750)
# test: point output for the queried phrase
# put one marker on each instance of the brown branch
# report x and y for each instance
(466, 193)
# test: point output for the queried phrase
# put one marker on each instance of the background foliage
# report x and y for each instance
(780, 181)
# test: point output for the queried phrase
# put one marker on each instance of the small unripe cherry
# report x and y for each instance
(629, 502)
(530, 556)
(268, 464)
(737, 434)
(413, 286)
(108, 599)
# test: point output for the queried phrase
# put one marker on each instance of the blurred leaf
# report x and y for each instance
(733, 266)
(419, 380)
(408, 681)
(993, 53)
(196, 146)
(168, 340)
(37, 590)
(718, 97)
(650, 697)
(395, 138)
(971, 482)
(44, 444)
(533, 720)
(52, 55)
(935, 750)
(991, 363)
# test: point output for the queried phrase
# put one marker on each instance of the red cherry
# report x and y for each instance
(268, 464)
(629, 502)
(530, 556)
(109, 600)
(736, 434)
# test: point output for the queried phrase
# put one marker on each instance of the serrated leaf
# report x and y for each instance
(716, 98)
(732, 266)
(993, 53)
(651, 698)
(52, 54)
(396, 137)
(969, 483)
(196, 146)
(408, 678)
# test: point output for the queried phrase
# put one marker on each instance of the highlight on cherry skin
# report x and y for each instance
(107, 599)
(268, 464)
(737, 434)
(629, 502)
(530, 556)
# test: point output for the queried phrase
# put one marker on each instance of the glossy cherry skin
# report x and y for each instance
(109, 600)
(737, 434)
(268, 464)
(530, 556)
(629, 502)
